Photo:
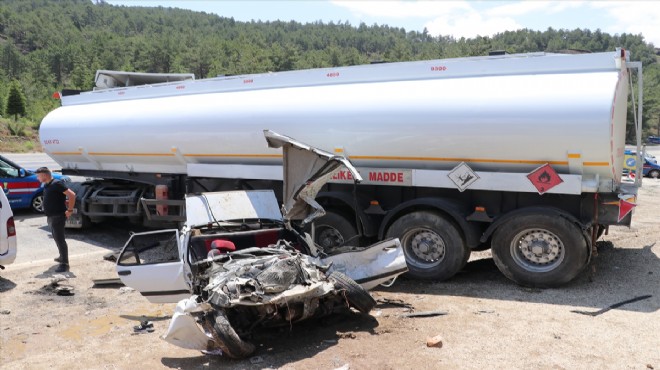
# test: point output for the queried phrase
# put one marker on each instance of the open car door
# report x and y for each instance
(306, 171)
(152, 263)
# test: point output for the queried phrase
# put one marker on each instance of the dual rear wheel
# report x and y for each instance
(433, 245)
(539, 250)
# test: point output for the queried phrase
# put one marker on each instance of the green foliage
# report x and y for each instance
(15, 101)
(16, 128)
(48, 45)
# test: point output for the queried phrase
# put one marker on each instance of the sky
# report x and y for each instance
(455, 18)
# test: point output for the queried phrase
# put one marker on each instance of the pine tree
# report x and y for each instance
(15, 101)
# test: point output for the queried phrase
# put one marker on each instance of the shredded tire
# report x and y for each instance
(356, 295)
(228, 340)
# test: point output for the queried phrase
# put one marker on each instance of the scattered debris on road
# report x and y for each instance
(434, 341)
(425, 314)
(58, 285)
(112, 256)
(125, 289)
(394, 303)
(105, 283)
(5, 312)
(483, 312)
(144, 327)
(616, 305)
(347, 335)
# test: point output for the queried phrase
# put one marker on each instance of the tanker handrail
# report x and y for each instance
(637, 116)
(518, 64)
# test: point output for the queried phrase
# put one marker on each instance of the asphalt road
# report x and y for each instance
(34, 242)
(33, 161)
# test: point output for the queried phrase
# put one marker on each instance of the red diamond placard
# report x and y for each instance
(544, 178)
(625, 207)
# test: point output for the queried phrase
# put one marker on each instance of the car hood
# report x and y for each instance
(306, 170)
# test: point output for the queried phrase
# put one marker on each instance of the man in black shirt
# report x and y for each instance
(59, 201)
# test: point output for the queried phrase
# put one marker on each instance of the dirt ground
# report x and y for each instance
(491, 322)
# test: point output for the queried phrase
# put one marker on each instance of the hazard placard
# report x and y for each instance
(544, 178)
(625, 207)
(463, 176)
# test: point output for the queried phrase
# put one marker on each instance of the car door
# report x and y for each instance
(152, 263)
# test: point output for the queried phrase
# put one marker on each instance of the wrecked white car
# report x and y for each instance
(240, 263)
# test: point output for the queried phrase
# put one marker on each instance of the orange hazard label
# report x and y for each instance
(544, 178)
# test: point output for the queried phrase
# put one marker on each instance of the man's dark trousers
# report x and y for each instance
(56, 224)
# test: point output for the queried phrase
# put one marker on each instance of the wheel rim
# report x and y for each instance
(38, 203)
(655, 174)
(537, 250)
(424, 248)
(328, 237)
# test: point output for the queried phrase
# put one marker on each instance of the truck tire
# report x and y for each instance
(80, 189)
(333, 230)
(433, 246)
(539, 250)
(228, 340)
(356, 295)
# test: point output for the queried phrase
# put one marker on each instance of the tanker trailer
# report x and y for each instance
(518, 153)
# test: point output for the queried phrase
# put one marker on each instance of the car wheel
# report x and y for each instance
(38, 203)
(539, 250)
(227, 339)
(434, 247)
(356, 295)
(654, 174)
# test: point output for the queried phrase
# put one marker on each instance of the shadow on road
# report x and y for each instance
(111, 234)
(6, 285)
(51, 272)
(21, 215)
(620, 274)
(288, 344)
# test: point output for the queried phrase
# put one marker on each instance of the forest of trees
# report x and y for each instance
(49, 45)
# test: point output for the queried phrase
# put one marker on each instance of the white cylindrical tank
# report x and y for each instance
(509, 114)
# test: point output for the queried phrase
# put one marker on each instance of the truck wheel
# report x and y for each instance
(228, 340)
(539, 250)
(38, 203)
(433, 246)
(356, 295)
(333, 230)
(654, 174)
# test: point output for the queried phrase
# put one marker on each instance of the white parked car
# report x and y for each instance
(7, 232)
(239, 262)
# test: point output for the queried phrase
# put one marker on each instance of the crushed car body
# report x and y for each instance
(240, 262)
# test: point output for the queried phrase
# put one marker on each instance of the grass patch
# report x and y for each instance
(19, 137)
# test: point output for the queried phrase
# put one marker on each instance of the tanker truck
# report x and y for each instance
(521, 153)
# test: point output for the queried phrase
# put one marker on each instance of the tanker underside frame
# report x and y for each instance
(537, 240)
(132, 196)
